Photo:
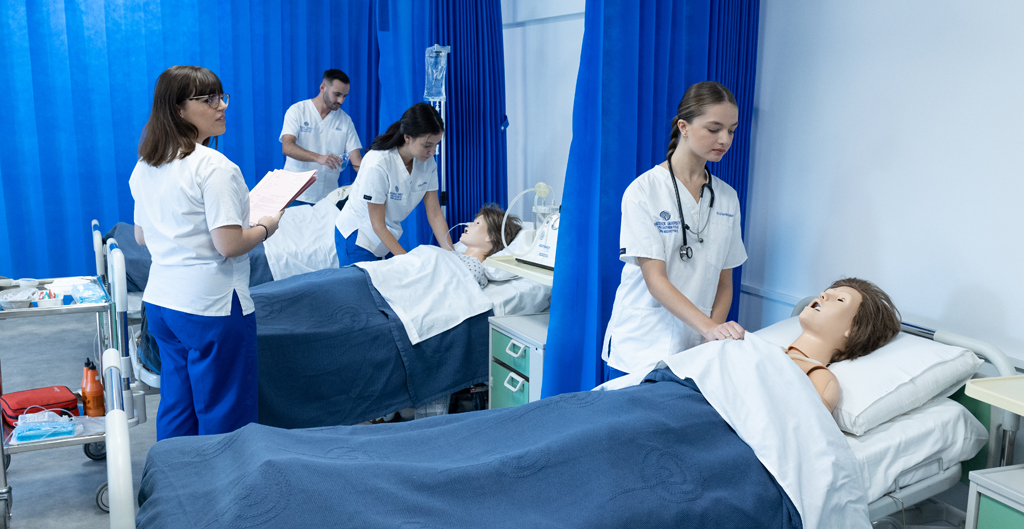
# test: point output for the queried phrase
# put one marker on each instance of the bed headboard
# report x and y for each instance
(1002, 427)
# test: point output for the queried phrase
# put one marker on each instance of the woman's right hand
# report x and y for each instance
(729, 330)
(271, 222)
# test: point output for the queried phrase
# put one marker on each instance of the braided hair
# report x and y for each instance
(695, 102)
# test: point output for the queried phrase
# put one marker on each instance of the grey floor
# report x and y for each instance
(57, 488)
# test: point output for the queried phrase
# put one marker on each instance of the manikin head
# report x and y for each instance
(484, 233)
(852, 318)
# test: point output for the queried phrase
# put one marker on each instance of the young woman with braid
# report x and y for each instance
(680, 240)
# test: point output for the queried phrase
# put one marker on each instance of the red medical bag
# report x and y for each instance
(54, 398)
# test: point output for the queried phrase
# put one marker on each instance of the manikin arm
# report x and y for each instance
(656, 278)
(828, 387)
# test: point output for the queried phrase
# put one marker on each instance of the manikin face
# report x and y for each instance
(334, 94)
(709, 136)
(475, 235)
(831, 315)
(207, 120)
(423, 147)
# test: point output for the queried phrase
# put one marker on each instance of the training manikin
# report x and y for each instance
(849, 308)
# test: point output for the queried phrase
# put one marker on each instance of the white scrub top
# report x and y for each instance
(334, 134)
(177, 204)
(383, 179)
(641, 331)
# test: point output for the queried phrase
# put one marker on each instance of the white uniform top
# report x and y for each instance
(383, 179)
(177, 204)
(641, 331)
(334, 134)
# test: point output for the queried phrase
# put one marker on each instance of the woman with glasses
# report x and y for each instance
(192, 212)
(680, 240)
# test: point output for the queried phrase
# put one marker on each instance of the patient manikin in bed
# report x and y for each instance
(482, 238)
(848, 320)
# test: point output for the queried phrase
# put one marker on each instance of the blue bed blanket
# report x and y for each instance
(137, 259)
(653, 455)
(332, 352)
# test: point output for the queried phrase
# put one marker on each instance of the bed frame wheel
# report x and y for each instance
(96, 451)
(103, 498)
(888, 522)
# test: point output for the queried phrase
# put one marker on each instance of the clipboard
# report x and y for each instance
(276, 191)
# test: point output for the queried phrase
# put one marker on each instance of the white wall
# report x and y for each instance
(887, 145)
(543, 39)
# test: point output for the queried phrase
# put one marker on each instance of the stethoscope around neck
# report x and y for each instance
(686, 251)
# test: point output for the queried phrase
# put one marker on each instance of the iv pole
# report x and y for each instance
(437, 68)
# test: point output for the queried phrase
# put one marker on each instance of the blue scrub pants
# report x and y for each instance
(209, 371)
(349, 252)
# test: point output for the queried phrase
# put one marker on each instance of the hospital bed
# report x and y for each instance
(899, 487)
(355, 359)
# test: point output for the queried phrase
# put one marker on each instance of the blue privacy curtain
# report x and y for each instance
(637, 60)
(474, 140)
(78, 78)
(476, 151)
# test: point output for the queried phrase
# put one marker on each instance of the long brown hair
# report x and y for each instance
(877, 321)
(695, 102)
(167, 135)
(493, 215)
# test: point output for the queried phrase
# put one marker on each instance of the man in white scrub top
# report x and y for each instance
(317, 132)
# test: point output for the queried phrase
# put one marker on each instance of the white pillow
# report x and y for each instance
(900, 376)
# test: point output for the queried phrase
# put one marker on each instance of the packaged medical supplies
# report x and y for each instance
(17, 298)
(88, 293)
(42, 425)
(58, 398)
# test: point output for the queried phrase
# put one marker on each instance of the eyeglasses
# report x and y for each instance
(213, 100)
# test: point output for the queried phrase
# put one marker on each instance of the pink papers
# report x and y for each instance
(275, 191)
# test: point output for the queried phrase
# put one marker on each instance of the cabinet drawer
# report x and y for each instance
(513, 353)
(993, 514)
(508, 389)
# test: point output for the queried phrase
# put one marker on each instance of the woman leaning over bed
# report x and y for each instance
(397, 173)
(192, 211)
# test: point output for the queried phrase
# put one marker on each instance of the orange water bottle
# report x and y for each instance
(92, 392)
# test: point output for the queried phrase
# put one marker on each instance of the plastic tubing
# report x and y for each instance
(449, 236)
(542, 190)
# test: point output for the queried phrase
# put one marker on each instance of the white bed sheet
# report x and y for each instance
(518, 296)
(941, 429)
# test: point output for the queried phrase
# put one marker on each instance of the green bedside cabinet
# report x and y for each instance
(517, 359)
(996, 499)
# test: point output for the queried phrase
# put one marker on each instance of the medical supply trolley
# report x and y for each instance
(120, 403)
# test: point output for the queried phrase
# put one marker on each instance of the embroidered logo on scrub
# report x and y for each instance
(664, 225)
(395, 195)
(725, 214)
